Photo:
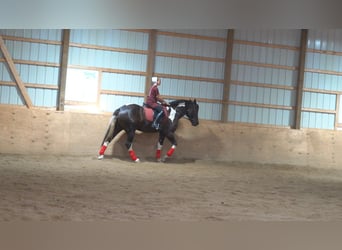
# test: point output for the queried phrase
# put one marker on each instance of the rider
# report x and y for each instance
(155, 102)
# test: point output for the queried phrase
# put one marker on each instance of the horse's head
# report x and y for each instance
(192, 112)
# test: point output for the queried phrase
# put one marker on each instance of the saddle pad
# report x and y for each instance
(148, 114)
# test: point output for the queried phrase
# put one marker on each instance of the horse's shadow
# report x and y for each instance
(152, 159)
(171, 160)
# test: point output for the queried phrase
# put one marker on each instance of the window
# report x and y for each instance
(81, 91)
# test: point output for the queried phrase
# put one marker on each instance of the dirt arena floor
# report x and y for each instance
(75, 188)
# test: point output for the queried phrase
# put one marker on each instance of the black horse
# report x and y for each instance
(132, 117)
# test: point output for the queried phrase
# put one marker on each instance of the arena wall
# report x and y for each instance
(39, 131)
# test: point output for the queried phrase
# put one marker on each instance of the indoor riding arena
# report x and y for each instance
(267, 148)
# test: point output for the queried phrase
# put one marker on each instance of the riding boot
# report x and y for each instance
(156, 121)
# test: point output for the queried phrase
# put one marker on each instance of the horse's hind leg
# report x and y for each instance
(129, 145)
(111, 132)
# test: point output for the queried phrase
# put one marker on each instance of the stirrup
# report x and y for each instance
(155, 126)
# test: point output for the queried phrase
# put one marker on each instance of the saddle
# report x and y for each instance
(150, 113)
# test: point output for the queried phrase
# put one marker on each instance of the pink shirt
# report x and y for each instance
(152, 97)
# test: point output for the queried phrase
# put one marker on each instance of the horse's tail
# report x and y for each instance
(110, 129)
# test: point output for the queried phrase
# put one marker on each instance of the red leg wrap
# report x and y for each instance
(132, 155)
(158, 153)
(102, 150)
(170, 152)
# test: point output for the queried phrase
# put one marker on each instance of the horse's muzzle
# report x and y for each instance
(194, 123)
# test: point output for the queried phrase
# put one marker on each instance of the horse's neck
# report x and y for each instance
(177, 114)
(177, 111)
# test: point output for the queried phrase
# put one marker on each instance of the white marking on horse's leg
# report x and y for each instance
(102, 150)
(133, 155)
(170, 152)
(106, 143)
(158, 152)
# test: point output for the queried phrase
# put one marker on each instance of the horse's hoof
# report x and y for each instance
(137, 160)
(164, 158)
(158, 159)
(100, 157)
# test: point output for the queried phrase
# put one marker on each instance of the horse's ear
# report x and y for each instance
(195, 100)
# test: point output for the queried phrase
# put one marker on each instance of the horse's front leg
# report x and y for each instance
(160, 146)
(129, 145)
(172, 139)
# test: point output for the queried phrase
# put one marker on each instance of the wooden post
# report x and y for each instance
(227, 75)
(338, 97)
(15, 74)
(151, 58)
(63, 69)
(300, 82)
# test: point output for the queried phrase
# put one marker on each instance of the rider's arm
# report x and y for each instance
(161, 100)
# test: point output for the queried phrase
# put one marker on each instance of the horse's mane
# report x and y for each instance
(175, 103)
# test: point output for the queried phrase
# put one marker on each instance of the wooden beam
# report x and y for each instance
(15, 74)
(261, 105)
(263, 85)
(191, 36)
(137, 94)
(106, 48)
(121, 93)
(63, 69)
(265, 65)
(227, 74)
(31, 85)
(30, 40)
(300, 82)
(267, 45)
(322, 111)
(323, 71)
(190, 78)
(108, 70)
(190, 57)
(151, 58)
(44, 64)
(325, 52)
(338, 97)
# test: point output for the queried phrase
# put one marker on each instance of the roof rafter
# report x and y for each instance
(15, 73)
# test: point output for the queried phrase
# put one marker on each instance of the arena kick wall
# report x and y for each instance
(38, 131)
